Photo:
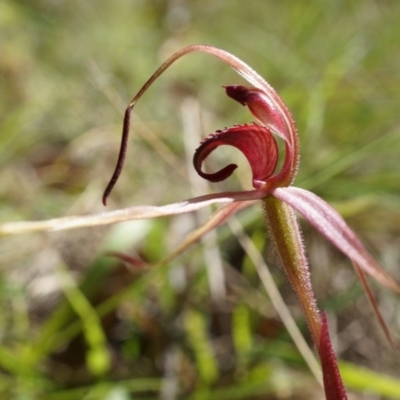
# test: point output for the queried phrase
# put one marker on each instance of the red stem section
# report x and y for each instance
(333, 384)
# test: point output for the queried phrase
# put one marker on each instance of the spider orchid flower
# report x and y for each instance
(280, 200)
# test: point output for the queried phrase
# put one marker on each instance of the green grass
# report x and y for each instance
(76, 324)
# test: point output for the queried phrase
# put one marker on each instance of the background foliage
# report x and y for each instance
(78, 324)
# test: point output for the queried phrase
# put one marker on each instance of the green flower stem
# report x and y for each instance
(285, 234)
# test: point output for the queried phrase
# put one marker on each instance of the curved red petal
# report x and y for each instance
(254, 141)
(270, 110)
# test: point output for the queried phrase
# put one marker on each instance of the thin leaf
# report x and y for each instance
(128, 214)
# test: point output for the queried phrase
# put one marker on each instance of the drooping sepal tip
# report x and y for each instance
(121, 155)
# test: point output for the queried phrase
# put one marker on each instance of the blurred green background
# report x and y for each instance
(78, 324)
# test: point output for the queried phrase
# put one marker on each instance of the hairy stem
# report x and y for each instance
(286, 236)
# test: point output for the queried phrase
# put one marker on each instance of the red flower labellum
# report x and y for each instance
(257, 144)
(273, 114)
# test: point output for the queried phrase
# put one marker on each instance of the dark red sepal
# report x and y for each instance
(238, 93)
(255, 142)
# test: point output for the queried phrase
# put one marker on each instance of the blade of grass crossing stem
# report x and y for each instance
(276, 298)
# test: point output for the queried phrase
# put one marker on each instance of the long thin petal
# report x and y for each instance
(216, 219)
(330, 224)
(242, 69)
(128, 214)
(257, 144)
(374, 306)
(333, 384)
